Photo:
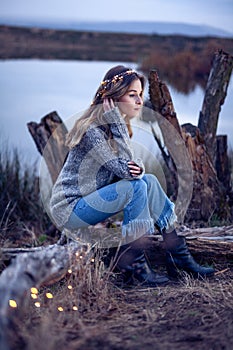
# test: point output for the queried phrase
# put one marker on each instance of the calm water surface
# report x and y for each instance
(32, 88)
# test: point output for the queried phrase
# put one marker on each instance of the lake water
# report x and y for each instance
(32, 88)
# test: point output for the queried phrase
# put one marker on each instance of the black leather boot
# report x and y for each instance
(132, 263)
(139, 269)
(178, 258)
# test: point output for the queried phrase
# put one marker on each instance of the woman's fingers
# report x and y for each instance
(134, 169)
(108, 104)
(111, 103)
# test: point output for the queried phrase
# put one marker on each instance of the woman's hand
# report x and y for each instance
(108, 104)
(134, 169)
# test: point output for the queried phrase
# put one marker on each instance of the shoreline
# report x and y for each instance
(25, 42)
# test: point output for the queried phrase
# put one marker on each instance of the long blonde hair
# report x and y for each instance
(114, 85)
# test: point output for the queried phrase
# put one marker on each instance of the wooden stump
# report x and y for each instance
(210, 183)
(49, 136)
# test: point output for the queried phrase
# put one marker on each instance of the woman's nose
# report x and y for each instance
(139, 100)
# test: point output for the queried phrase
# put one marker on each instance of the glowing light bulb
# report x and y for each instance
(75, 308)
(69, 271)
(12, 303)
(34, 296)
(37, 304)
(49, 295)
(60, 308)
(69, 286)
(34, 290)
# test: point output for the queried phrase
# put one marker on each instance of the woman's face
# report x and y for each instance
(131, 102)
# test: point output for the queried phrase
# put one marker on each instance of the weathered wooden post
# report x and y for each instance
(215, 94)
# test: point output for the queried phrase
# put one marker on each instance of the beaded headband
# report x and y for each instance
(114, 80)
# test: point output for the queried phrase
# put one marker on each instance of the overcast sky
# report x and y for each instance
(216, 13)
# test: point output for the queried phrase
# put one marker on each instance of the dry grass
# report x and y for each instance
(98, 315)
(22, 218)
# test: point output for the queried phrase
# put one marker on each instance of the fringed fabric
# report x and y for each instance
(137, 228)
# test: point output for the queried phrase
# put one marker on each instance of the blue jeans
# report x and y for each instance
(143, 202)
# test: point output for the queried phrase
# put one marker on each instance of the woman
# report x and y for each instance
(100, 178)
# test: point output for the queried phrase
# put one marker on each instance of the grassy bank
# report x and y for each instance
(22, 218)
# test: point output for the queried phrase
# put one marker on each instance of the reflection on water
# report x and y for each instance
(32, 88)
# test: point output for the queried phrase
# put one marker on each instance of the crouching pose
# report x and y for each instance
(101, 177)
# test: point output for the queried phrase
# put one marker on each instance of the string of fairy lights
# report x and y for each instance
(34, 292)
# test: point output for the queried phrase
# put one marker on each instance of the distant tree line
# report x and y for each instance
(185, 68)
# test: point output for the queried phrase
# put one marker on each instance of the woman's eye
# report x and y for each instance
(131, 95)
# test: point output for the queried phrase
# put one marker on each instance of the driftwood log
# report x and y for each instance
(210, 238)
(30, 268)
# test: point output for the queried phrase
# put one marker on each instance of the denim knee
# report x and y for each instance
(140, 188)
(150, 178)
